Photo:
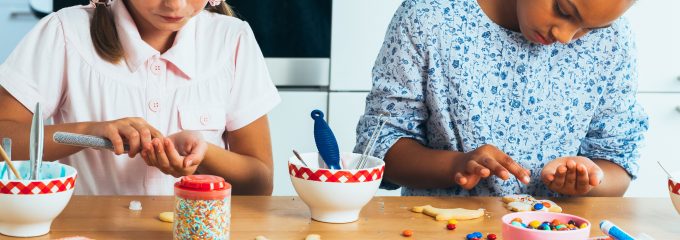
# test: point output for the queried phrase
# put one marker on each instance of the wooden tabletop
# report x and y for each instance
(382, 218)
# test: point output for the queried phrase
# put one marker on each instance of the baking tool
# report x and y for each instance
(297, 155)
(8, 162)
(664, 169)
(371, 143)
(7, 146)
(81, 140)
(325, 141)
(36, 144)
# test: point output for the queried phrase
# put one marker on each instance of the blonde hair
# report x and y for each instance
(105, 37)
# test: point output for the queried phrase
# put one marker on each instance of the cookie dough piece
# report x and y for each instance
(167, 217)
(442, 214)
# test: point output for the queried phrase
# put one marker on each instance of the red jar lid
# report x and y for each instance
(203, 183)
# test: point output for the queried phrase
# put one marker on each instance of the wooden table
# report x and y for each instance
(383, 218)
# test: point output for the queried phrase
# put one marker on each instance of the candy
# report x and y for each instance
(407, 233)
(453, 221)
(538, 206)
(534, 224)
(451, 226)
(491, 236)
(474, 235)
(554, 225)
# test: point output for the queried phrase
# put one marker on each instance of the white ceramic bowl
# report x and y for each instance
(674, 190)
(27, 207)
(335, 196)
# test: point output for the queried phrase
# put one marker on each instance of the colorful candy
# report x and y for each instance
(474, 235)
(407, 233)
(491, 236)
(538, 206)
(554, 225)
(451, 226)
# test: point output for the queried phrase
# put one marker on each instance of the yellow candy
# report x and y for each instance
(534, 224)
(453, 221)
(583, 225)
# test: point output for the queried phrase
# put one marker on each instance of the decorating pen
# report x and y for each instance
(613, 231)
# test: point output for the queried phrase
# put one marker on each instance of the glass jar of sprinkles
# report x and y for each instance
(202, 208)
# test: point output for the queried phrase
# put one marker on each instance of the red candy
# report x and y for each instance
(491, 236)
(450, 226)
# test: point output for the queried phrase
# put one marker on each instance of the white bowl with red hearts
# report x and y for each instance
(335, 196)
(674, 190)
(28, 207)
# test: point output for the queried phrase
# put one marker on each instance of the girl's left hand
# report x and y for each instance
(572, 175)
(178, 154)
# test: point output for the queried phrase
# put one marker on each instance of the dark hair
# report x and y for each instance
(105, 37)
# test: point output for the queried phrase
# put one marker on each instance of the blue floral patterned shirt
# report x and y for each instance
(454, 80)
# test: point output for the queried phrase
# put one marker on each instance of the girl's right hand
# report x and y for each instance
(134, 131)
(484, 161)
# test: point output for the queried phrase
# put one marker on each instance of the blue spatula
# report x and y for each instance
(325, 141)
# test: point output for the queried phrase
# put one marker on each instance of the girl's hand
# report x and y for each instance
(572, 175)
(485, 161)
(178, 154)
(136, 132)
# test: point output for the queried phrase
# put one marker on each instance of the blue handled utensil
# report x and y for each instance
(325, 141)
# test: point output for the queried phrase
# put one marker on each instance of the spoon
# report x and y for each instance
(297, 155)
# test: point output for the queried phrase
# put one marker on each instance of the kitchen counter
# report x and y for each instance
(382, 218)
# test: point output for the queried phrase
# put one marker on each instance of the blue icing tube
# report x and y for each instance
(614, 232)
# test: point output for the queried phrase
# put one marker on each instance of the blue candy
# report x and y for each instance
(538, 206)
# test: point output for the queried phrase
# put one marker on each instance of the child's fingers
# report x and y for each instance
(161, 159)
(145, 156)
(176, 161)
(595, 175)
(460, 179)
(560, 175)
(515, 169)
(570, 179)
(472, 167)
(496, 168)
(153, 159)
(582, 179)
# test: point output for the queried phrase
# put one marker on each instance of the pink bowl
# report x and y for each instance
(517, 233)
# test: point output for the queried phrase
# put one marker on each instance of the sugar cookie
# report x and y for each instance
(525, 203)
(166, 217)
(442, 214)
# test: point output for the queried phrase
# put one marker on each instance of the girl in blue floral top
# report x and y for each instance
(496, 97)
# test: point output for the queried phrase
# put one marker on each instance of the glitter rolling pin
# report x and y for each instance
(81, 140)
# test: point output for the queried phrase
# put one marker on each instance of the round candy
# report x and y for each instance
(517, 220)
(518, 224)
(478, 234)
(583, 225)
(453, 221)
(544, 227)
(534, 224)
(546, 204)
(491, 236)
(407, 233)
(555, 222)
(538, 206)
(450, 226)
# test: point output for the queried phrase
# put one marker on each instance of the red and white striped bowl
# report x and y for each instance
(335, 196)
(674, 191)
(29, 206)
